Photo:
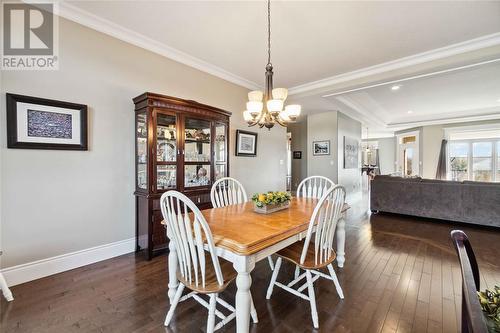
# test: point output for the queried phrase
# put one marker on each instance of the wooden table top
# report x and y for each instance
(242, 231)
(239, 229)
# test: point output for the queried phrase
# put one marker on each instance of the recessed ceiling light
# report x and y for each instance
(395, 87)
(410, 111)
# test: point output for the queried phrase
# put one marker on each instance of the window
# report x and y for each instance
(474, 159)
(459, 160)
(482, 153)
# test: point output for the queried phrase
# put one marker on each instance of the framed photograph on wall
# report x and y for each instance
(351, 153)
(246, 143)
(321, 147)
(38, 123)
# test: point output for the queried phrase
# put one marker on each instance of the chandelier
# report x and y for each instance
(268, 107)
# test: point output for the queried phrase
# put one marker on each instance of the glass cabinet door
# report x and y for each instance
(197, 140)
(166, 138)
(220, 148)
(196, 175)
(166, 151)
(142, 150)
(197, 152)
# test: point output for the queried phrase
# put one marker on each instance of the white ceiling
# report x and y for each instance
(311, 40)
(314, 40)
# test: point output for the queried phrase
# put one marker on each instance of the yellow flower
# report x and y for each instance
(262, 197)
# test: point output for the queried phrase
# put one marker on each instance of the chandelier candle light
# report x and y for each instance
(267, 108)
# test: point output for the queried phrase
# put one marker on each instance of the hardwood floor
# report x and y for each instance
(400, 275)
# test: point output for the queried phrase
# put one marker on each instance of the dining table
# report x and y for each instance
(244, 237)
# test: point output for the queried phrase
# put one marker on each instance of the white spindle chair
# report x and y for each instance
(199, 268)
(315, 252)
(229, 191)
(314, 187)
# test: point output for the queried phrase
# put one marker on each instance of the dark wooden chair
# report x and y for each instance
(472, 315)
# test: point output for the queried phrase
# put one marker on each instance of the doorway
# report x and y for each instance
(408, 159)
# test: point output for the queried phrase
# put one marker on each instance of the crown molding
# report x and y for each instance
(416, 59)
(107, 27)
(368, 116)
(440, 121)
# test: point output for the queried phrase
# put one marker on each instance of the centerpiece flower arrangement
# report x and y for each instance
(490, 303)
(271, 201)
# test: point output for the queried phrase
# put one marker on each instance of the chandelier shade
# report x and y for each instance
(275, 105)
(293, 111)
(255, 96)
(254, 107)
(280, 93)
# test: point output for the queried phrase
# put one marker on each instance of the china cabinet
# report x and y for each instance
(180, 145)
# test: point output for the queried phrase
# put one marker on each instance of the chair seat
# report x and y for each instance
(211, 284)
(293, 252)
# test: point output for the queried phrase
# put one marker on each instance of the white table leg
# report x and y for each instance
(5, 289)
(243, 265)
(172, 271)
(341, 242)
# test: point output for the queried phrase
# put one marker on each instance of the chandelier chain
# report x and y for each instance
(268, 31)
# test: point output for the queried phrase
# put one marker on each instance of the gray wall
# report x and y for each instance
(320, 127)
(431, 146)
(387, 155)
(299, 143)
(55, 202)
(349, 178)
(333, 126)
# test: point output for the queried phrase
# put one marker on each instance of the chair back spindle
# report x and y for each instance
(227, 191)
(314, 187)
(189, 232)
(325, 216)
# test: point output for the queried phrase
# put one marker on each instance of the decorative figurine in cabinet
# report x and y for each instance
(180, 145)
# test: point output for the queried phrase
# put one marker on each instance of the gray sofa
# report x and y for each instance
(469, 202)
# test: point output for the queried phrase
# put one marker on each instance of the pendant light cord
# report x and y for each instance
(268, 31)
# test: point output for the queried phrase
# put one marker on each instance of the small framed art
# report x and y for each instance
(246, 143)
(321, 147)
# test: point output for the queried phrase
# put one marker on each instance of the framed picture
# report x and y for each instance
(351, 153)
(297, 155)
(38, 123)
(246, 143)
(321, 147)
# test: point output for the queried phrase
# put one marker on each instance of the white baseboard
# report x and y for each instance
(49, 266)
